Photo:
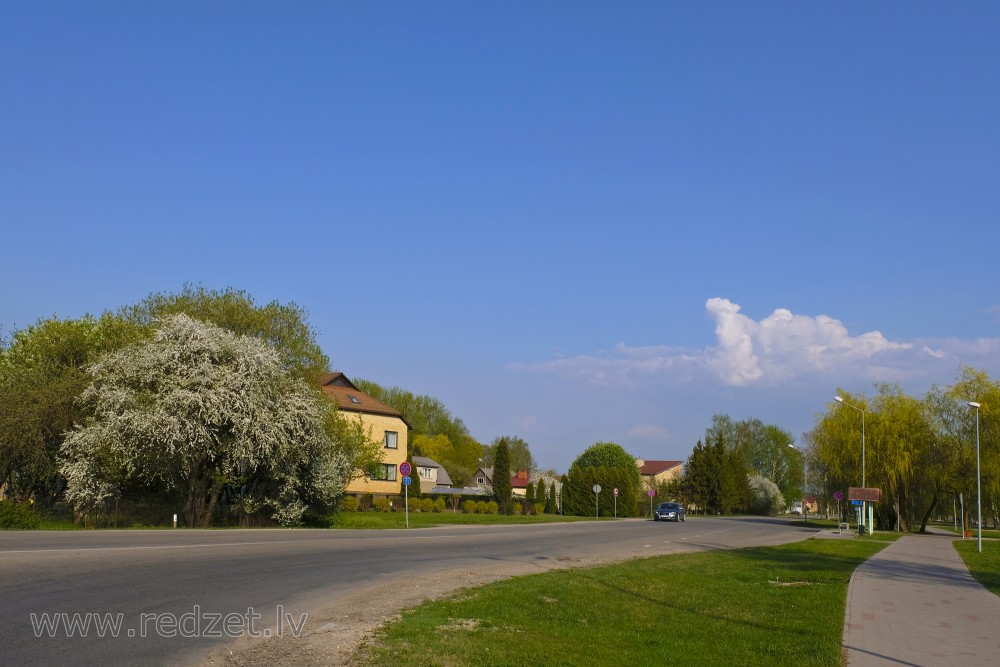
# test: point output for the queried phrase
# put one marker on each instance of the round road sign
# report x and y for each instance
(616, 492)
(404, 468)
(597, 488)
(838, 495)
(651, 493)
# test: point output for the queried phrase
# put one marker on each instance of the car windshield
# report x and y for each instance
(669, 506)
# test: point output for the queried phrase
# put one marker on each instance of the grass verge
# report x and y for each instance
(763, 606)
(985, 566)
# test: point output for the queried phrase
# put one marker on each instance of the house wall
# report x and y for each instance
(666, 476)
(377, 425)
(427, 483)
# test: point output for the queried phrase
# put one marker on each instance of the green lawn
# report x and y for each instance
(764, 606)
(985, 566)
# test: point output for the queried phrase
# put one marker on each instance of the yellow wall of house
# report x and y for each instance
(377, 425)
(665, 476)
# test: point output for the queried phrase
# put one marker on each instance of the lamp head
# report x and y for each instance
(838, 399)
(973, 404)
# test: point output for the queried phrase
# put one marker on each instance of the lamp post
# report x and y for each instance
(979, 500)
(805, 502)
(864, 504)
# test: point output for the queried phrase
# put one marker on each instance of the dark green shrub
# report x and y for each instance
(16, 516)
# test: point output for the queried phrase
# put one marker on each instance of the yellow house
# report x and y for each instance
(383, 422)
(657, 472)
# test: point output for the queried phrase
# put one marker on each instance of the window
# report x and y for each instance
(387, 472)
(426, 472)
(390, 439)
(354, 399)
(481, 481)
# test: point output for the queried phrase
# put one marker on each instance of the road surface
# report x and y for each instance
(179, 597)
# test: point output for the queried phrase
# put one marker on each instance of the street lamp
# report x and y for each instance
(979, 502)
(805, 503)
(864, 505)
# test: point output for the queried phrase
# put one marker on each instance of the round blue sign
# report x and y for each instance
(404, 468)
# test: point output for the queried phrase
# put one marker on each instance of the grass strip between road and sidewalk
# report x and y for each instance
(781, 605)
(985, 566)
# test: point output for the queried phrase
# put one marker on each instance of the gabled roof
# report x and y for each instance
(656, 467)
(442, 476)
(519, 482)
(351, 399)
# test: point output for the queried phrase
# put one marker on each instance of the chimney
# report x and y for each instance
(522, 474)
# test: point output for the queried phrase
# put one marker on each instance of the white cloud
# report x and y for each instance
(627, 366)
(782, 347)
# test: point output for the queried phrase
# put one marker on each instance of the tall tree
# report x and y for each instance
(610, 466)
(285, 327)
(42, 373)
(195, 409)
(519, 452)
(501, 475)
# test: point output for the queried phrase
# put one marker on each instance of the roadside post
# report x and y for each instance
(651, 493)
(404, 468)
(616, 502)
(597, 501)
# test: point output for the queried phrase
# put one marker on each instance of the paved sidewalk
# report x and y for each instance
(915, 603)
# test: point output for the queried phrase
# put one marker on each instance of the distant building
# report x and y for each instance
(655, 473)
(431, 474)
(483, 479)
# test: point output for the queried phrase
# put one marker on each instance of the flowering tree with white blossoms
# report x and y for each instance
(767, 497)
(198, 409)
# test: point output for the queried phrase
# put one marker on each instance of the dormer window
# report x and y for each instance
(354, 399)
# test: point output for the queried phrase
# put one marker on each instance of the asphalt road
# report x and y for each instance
(168, 588)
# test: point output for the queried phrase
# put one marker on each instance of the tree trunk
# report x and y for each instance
(927, 514)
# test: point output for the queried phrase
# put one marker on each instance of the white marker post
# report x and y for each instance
(597, 501)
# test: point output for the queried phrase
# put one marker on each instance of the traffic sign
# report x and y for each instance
(404, 468)
(838, 495)
(616, 492)
(651, 493)
(407, 480)
(597, 488)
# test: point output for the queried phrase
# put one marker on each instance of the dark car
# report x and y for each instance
(669, 512)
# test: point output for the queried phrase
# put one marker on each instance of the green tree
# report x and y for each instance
(501, 475)
(716, 476)
(42, 373)
(285, 327)
(519, 452)
(194, 410)
(610, 466)
(551, 502)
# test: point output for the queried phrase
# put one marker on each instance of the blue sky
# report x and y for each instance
(569, 221)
